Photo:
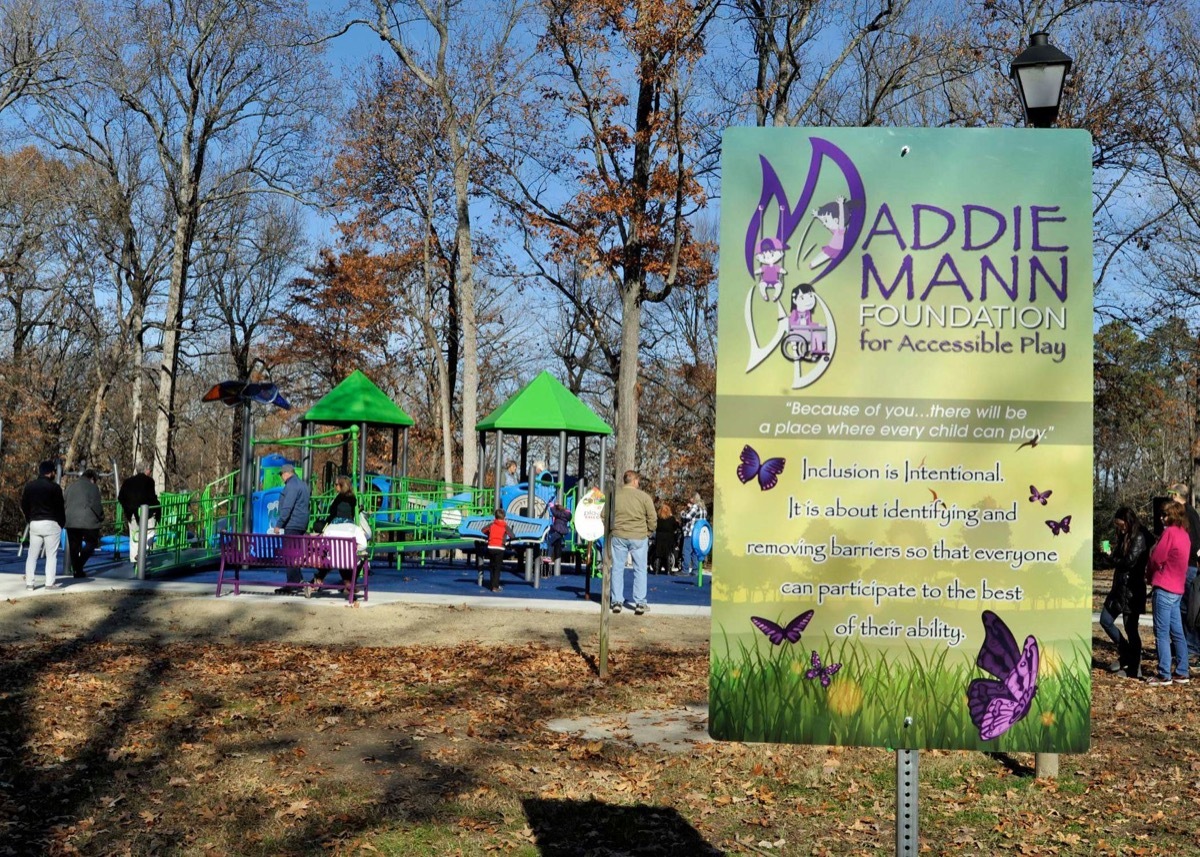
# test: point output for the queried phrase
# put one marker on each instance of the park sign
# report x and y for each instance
(904, 427)
(589, 516)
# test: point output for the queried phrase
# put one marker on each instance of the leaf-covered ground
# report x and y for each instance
(267, 749)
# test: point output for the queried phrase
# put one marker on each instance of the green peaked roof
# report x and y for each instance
(354, 401)
(544, 406)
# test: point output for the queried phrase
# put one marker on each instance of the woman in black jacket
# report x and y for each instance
(1127, 598)
(666, 534)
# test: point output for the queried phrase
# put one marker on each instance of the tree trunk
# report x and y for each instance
(72, 446)
(164, 424)
(98, 421)
(627, 379)
(466, 303)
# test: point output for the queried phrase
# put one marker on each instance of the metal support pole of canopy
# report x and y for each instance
(560, 495)
(247, 469)
(362, 459)
(499, 464)
(307, 461)
(404, 456)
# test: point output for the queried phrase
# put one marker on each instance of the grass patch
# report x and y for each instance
(869, 701)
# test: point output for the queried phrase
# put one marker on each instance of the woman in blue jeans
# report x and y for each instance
(1168, 571)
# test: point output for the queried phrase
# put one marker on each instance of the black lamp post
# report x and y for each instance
(1039, 72)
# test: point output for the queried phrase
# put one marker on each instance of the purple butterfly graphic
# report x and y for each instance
(823, 673)
(1063, 526)
(767, 471)
(790, 632)
(996, 705)
(1038, 496)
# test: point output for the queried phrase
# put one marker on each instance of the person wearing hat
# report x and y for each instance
(1179, 493)
(293, 518)
(42, 503)
(85, 516)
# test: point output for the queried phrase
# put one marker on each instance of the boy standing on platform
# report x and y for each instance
(499, 534)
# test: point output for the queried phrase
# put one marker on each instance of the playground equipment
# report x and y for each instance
(542, 408)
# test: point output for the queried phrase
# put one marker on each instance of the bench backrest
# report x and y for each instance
(276, 550)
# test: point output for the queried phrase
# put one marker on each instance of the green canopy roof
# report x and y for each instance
(356, 401)
(544, 407)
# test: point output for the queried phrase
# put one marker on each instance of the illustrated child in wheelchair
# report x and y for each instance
(804, 340)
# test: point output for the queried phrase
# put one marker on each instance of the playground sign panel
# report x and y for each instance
(589, 516)
(904, 428)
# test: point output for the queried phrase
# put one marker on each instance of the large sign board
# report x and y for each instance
(904, 428)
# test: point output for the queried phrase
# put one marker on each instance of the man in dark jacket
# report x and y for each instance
(293, 517)
(137, 491)
(42, 503)
(85, 516)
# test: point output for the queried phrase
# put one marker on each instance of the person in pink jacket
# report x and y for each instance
(1167, 573)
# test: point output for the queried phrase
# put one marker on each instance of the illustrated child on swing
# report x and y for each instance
(769, 271)
(833, 217)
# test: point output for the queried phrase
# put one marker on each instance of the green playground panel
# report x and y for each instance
(188, 524)
(424, 514)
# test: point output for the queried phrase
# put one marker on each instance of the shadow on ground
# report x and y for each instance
(569, 828)
(41, 801)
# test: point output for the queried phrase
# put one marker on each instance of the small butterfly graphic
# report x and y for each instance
(767, 471)
(1032, 443)
(823, 673)
(1039, 496)
(996, 705)
(790, 632)
(1063, 526)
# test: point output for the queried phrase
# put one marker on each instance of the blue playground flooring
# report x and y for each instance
(434, 576)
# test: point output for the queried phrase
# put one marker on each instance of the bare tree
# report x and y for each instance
(125, 213)
(228, 91)
(628, 159)
(249, 251)
(36, 39)
(470, 69)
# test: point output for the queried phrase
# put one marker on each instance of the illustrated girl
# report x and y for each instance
(800, 319)
(833, 217)
(769, 272)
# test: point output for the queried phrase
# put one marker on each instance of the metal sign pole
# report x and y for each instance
(143, 543)
(907, 838)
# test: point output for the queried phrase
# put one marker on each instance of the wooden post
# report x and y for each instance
(1045, 765)
(605, 568)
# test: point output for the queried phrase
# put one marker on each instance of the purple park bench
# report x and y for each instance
(318, 553)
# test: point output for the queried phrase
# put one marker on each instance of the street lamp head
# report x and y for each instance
(1039, 72)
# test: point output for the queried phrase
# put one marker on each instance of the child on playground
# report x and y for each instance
(560, 516)
(499, 534)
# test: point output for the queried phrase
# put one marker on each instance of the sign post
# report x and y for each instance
(903, 450)
(589, 527)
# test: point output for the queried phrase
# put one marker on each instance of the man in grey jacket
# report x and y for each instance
(293, 517)
(85, 516)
